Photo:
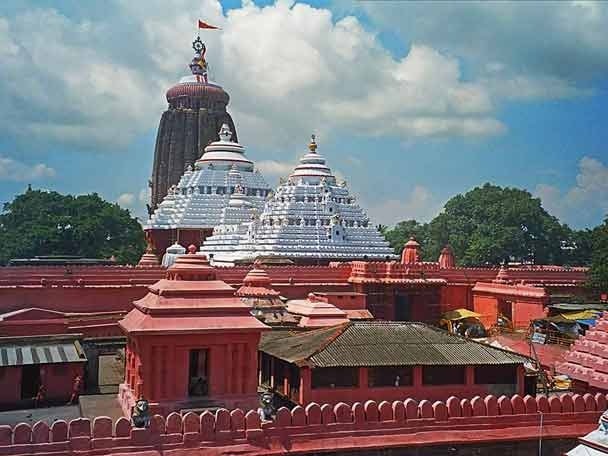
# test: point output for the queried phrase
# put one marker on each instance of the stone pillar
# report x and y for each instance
(305, 385)
(469, 376)
(363, 378)
(229, 371)
(238, 369)
(417, 374)
(521, 385)
(272, 379)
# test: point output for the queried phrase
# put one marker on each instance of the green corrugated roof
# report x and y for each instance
(375, 343)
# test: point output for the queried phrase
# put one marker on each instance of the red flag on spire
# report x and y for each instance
(204, 25)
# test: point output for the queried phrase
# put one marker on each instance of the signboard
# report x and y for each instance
(538, 338)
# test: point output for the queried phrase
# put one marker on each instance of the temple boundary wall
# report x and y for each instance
(319, 427)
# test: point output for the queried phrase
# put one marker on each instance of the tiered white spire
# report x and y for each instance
(205, 190)
(309, 217)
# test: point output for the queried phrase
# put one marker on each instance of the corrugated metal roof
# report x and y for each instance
(37, 350)
(358, 344)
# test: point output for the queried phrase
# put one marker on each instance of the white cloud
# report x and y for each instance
(586, 203)
(126, 200)
(534, 40)
(273, 168)
(65, 84)
(99, 82)
(420, 204)
(13, 170)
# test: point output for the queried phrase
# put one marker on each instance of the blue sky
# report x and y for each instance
(412, 102)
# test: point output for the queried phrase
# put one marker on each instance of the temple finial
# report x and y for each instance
(313, 145)
(199, 66)
(225, 134)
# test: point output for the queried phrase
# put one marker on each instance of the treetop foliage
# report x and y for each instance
(40, 223)
(489, 225)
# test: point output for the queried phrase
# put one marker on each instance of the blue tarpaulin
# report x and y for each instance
(589, 322)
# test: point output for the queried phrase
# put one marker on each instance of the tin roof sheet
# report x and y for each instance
(358, 344)
(40, 350)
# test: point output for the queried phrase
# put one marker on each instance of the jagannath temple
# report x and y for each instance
(291, 300)
(222, 178)
(310, 218)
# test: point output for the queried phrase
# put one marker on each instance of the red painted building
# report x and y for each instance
(39, 365)
(392, 290)
(519, 303)
(384, 361)
(191, 343)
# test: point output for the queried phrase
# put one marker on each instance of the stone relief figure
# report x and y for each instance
(140, 416)
(267, 410)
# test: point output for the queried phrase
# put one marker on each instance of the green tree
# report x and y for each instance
(399, 235)
(578, 248)
(598, 275)
(489, 225)
(48, 223)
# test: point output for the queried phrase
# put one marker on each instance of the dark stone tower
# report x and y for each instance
(196, 112)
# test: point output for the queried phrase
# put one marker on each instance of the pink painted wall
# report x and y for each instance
(10, 385)
(315, 429)
(58, 379)
(525, 311)
(157, 367)
(487, 307)
(416, 391)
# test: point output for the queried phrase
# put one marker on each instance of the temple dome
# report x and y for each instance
(225, 153)
(446, 258)
(223, 177)
(411, 251)
(208, 94)
(312, 167)
(191, 267)
(307, 219)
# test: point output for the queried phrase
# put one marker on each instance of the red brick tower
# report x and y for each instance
(191, 343)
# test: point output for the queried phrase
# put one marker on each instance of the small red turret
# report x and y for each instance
(446, 258)
(411, 252)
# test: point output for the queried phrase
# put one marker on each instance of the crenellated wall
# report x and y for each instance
(318, 428)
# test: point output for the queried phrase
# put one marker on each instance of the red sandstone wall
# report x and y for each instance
(164, 364)
(60, 378)
(10, 385)
(114, 288)
(33, 327)
(456, 297)
(487, 307)
(72, 299)
(346, 301)
(316, 428)
(526, 311)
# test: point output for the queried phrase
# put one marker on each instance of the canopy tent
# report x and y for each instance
(460, 314)
(576, 307)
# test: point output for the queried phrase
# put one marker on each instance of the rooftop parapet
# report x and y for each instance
(376, 425)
